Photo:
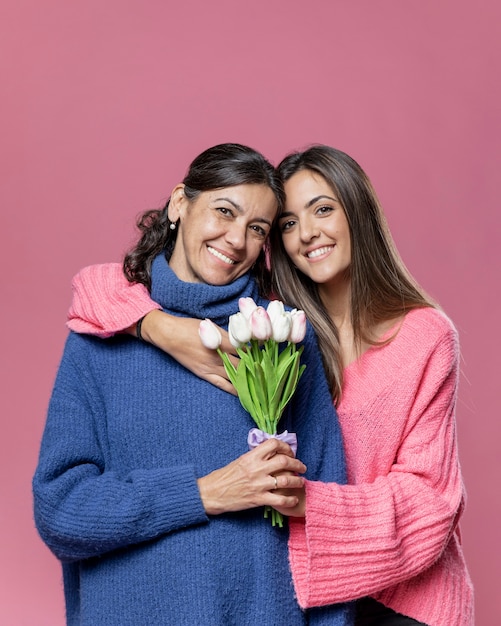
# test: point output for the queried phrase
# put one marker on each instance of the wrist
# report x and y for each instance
(154, 327)
(209, 501)
(141, 328)
(139, 324)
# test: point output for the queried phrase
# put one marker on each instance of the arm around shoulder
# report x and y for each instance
(105, 302)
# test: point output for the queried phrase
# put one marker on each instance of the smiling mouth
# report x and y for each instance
(319, 251)
(220, 256)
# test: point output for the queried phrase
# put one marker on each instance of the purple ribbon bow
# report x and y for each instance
(257, 436)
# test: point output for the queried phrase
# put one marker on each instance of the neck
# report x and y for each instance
(337, 301)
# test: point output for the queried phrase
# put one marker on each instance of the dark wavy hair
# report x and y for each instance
(224, 165)
(382, 288)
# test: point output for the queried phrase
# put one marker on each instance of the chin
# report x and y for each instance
(219, 281)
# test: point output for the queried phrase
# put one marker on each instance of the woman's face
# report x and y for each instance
(315, 230)
(221, 232)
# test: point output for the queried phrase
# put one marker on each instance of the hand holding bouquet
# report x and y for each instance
(265, 378)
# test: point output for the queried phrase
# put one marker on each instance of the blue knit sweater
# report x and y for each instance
(128, 433)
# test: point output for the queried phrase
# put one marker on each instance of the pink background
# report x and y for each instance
(104, 103)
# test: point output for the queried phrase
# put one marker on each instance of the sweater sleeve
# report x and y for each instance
(359, 539)
(84, 509)
(320, 443)
(320, 447)
(105, 302)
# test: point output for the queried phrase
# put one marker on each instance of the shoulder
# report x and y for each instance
(429, 325)
(87, 348)
(100, 273)
(425, 335)
(88, 362)
(79, 351)
(79, 343)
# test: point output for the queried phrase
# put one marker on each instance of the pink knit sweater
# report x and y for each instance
(104, 302)
(392, 533)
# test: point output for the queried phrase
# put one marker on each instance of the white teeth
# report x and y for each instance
(221, 256)
(319, 252)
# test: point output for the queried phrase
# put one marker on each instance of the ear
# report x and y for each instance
(178, 203)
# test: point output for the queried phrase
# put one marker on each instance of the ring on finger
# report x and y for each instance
(276, 482)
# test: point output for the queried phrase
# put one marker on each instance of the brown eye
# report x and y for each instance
(324, 210)
(259, 230)
(224, 211)
(287, 225)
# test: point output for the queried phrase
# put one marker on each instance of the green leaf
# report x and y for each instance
(265, 380)
(291, 383)
(270, 377)
(286, 352)
(229, 367)
(261, 391)
(247, 358)
(254, 386)
(244, 392)
(276, 407)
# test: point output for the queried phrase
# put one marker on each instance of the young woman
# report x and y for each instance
(143, 488)
(390, 539)
(393, 360)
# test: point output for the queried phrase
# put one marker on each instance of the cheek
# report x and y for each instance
(289, 244)
(345, 233)
(253, 251)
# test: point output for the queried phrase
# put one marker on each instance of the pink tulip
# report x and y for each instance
(209, 334)
(247, 307)
(298, 328)
(260, 324)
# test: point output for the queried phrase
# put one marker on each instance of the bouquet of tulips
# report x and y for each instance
(265, 378)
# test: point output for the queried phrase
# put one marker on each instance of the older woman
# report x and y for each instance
(143, 489)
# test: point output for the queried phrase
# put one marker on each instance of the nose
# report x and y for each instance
(235, 235)
(308, 230)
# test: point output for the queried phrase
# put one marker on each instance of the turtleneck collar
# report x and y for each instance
(198, 299)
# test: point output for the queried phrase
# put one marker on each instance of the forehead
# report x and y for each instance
(244, 198)
(305, 185)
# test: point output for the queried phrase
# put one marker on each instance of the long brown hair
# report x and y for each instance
(382, 288)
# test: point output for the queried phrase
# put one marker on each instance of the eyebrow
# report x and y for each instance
(240, 209)
(308, 205)
(317, 198)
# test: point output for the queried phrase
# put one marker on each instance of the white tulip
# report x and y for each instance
(209, 334)
(281, 320)
(298, 326)
(239, 330)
